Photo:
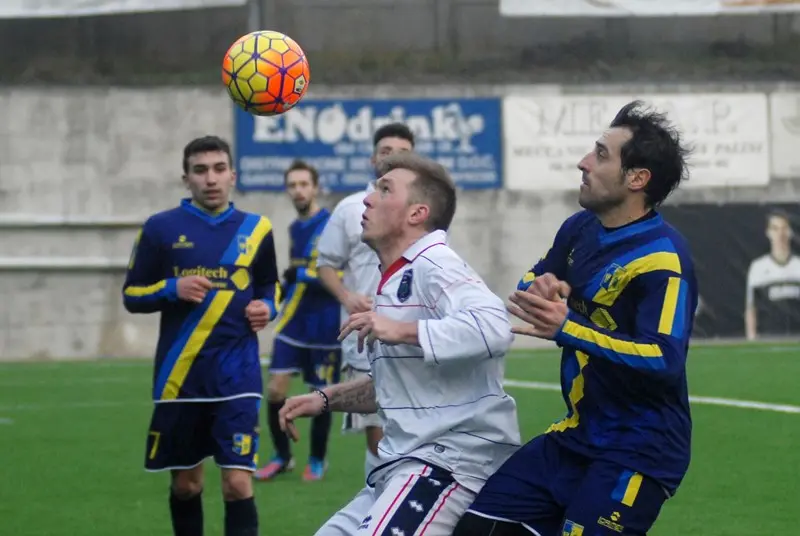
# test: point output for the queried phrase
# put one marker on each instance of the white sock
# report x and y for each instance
(370, 463)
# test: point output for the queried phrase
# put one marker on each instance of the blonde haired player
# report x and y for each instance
(436, 339)
(340, 248)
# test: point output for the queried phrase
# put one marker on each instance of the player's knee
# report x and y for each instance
(236, 485)
(278, 387)
(187, 484)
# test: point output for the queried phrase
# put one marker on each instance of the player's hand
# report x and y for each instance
(371, 327)
(543, 317)
(193, 288)
(549, 287)
(257, 313)
(357, 303)
(309, 405)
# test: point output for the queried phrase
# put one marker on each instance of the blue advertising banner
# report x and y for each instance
(335, 136)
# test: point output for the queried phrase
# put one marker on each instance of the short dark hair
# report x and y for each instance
(205, 144)
(393, 130)
(302, 165)
(655, 145)
(779, 213)
(432, 186)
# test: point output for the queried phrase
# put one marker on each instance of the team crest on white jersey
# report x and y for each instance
(404, 290)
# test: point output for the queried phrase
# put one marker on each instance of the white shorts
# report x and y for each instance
(410, 500)
(357, 422)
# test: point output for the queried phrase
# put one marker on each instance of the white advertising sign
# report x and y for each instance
(785, 125)
(546, 137)
(28, 9)
(642, 8)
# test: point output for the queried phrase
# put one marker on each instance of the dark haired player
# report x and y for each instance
(623, 447)
(307, 329)
(210, 270)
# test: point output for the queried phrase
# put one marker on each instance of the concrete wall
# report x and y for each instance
(359, 41)
(80, 169)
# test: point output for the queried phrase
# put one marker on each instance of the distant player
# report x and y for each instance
(306, 330)
(623, 448)
(773, 284)
(437, 339)
(340, 248)
(210, 270)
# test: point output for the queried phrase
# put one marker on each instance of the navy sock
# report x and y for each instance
(187, 515)
(279, 439)
(320, 431)
(241, 518)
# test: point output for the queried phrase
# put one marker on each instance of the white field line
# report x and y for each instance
(4, 420)
(709, 400)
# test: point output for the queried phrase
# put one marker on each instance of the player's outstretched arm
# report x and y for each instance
(146, 290)
(472, 321)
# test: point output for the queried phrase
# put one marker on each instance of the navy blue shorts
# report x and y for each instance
(553, 491)
(320, 368)
(183, 434)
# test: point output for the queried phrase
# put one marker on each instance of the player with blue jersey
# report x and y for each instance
(306, 330)
(623, 447)
(210, 270)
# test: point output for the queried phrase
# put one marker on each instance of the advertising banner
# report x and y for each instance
(28, 9)
(335, 136)
(545, 137)
(785, 129)
(642, 8)
(747, 259)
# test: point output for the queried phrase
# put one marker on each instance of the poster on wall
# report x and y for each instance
(785, 130)
(546, 136)
(747, 259)
(335, 136)
(642, 8)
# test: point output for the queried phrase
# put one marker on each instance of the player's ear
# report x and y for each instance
(185, 181)
(419, 214)
(638, 179)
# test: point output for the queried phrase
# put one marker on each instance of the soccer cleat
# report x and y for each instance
(315, 469)
(276, 466)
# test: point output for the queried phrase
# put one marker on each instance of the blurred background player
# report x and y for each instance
(341, 248)
(624, 446)
(210, 270)
(306, 330)
(773, 284)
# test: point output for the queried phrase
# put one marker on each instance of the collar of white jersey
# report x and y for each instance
(429, 240)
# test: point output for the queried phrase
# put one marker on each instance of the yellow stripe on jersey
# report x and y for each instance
(575, 396)
(653, 262)
(668, 310)
(290, 309)
(195, 343)
(609, 343)
(142, 292)
(261, 230)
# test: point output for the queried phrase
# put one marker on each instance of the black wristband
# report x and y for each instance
(325, 403)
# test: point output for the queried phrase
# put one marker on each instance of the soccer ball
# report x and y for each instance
(265, 72)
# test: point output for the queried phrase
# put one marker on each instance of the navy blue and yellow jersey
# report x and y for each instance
(205, 351)
(310, 316)
(625, 343)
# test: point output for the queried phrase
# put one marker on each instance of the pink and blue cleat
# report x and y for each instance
(276, 466)
(315, 469)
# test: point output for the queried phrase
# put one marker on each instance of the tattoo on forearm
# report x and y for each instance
(355, 397)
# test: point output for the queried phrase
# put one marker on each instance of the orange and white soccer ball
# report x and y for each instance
(266, 72)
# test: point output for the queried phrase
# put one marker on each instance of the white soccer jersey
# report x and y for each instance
(444, 403)
(773, 290)
(340, 247)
